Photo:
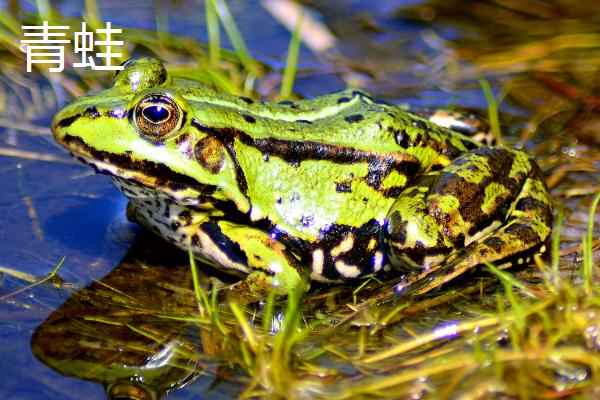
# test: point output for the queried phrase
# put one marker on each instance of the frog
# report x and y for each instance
(334, 189)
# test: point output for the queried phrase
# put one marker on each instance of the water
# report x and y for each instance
(55, 209)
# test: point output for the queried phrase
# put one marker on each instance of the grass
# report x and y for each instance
(51, 277)
(493, 116)
(287, 82)
(536, 334)
(237, 41)
(538, 338)
(588, 263)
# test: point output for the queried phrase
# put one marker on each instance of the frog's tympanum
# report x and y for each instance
(332, 189)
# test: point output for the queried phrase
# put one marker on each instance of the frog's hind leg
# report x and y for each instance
(515, 228)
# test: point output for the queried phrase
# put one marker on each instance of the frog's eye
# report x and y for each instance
(157, 116)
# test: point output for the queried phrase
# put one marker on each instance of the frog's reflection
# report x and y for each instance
(133, 330)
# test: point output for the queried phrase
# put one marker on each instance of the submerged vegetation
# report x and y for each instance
(530, 333)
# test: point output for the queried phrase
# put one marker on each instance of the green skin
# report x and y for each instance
(332, 189)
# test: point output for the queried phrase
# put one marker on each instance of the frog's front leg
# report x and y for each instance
(237, 249)
(488, 206)
(266, 261)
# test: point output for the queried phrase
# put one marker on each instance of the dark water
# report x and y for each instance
(58, 208)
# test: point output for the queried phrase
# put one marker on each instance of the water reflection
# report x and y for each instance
(133, 331)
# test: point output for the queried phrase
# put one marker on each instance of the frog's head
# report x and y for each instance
(142, 130)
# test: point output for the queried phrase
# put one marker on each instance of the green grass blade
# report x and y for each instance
(201, 297)
(45, 279)
(510, 280)
(44, 10)
(244, 325)
(492, 110)
(556, 244)
(291, 63)
(268, 311)
(92, 14)
(237, 41)
(588, 273)
(214, 33)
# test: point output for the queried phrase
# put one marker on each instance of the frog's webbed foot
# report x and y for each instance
(466, 215)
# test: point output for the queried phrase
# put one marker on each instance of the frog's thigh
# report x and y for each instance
(525, 229)
(234, 247)
(448, 209)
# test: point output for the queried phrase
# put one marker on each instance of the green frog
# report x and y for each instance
(330, 189)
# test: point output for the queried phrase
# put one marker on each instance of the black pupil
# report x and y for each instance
(156, 114)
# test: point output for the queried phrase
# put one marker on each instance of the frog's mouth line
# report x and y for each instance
(145, 173)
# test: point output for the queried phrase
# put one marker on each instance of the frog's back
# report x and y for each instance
(350, 122)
